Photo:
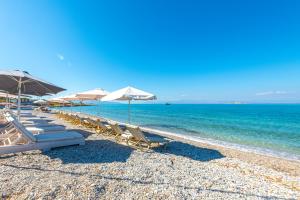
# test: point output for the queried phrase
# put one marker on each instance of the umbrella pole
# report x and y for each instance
(8, 106)
(19, 98)
(80, 106)
(128, 111)
(99, 108)
(6, 100)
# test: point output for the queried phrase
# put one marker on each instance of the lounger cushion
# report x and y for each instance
(41, 125)
(34, 122)
(126, 135)
(44, 129)
(54, 136)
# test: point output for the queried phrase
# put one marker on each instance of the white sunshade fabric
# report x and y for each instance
(40, 101)
(129, 94)
(57, 100)
(14, 81)
(72, 97)
(92, 94)
(11, 96)
(21, 82)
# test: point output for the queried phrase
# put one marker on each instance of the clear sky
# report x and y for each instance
(185, 51)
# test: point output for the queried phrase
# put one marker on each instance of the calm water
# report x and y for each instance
(271, 127)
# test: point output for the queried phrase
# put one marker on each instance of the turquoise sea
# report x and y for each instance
(269, 127)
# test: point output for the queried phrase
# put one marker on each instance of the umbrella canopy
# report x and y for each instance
(57, 100)
(21, 82)
(93, 94)
(40, 102)
(71, 97)
(12, 80)
(6, 95)
(129, 94)
(11, 96)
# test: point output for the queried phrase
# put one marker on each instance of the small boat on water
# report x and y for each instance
(167, 104)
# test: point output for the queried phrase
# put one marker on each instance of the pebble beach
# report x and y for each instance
(149, 100)
(104, 169)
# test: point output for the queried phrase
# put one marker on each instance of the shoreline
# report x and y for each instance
(281, 164)
(276, 162)
(239, 147)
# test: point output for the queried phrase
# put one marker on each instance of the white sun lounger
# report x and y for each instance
(40, 127)
(45, 141)
(45, 129)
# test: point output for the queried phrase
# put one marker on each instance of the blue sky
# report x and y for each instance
(183, 51)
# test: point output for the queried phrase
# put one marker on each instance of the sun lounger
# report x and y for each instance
(38, 127)
(28, 119)
(6, 128)
(74, 119)
(11, 137)
(43, 142)
(118, 133)
(40, 122)
(134, 137)
(140, 141)
(101, 127)
(45, 129)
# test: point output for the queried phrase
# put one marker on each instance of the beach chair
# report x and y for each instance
(118, 133)
(26, 118)
(91, 124)
(75, 119)
(100, 127)
(7, 130)
(24, 140)
(2, 117)
(8, 126)
(72, 118)
(60, 114)
(86, 122)
(11, 137)
(38, 128)
(140, 141)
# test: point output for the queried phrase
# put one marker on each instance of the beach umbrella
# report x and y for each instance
(70, 98)
(95, 94)
(40, 102)
(12, 96)
(21, 82)
(73, 97)
(58, 100)
(129, 94)
(8, 96)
